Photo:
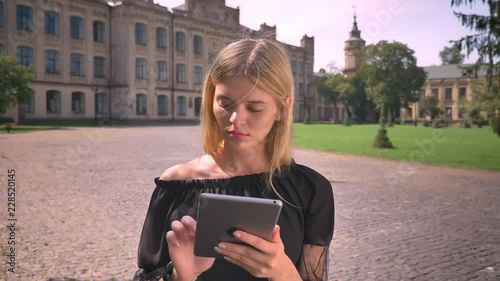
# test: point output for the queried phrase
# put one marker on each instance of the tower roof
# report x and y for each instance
(355, 33)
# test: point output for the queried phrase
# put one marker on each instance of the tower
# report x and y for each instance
(351, 47)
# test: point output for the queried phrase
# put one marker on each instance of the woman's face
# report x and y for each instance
(244, 112)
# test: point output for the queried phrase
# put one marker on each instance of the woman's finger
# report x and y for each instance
(172, 239)
(190, 224)
(180, 231)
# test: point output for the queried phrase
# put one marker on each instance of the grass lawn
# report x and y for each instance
(451, 146)
(36, 125)
(22, 129)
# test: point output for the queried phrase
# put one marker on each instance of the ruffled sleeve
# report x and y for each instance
(170, 200)
(318, 230)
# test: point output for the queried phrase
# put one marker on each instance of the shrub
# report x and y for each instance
(381, 139)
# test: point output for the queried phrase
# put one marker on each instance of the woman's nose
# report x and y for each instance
(238, 115)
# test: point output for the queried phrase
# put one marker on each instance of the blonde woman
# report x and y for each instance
(246, 132)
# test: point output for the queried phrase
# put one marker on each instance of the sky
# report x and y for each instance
(425, 26)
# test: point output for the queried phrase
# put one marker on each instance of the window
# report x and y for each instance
(447, 94)
(198, 75)
(1, 13)
(51, 23)
(53, 102)
(78, 102)
(462, 93)
(140, 104)
(434, 93)
(294, 67)
(140, 33)
(301, 67)
(76, 27)
(301, 89)
(181, 73)
(308, 68)
(181, 105)
(24, 18)
(140, 68)
(99, 68)
(180, 41)
(29, 105)
(98, 31)
(25, 56)
(161, 37)
(162, 105)
(161, 70)
(77, 65)
(197, 106)
(100, 103)
(52, 62)
(1, 48)
(448, 112)
(198, 45)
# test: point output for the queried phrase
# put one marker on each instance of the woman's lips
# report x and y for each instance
(237, 134)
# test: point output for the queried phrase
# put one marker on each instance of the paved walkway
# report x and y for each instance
(82, 195)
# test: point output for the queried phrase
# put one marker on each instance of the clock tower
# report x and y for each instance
(351, 47)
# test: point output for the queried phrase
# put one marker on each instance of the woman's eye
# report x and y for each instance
(223, 105)
(255, 110)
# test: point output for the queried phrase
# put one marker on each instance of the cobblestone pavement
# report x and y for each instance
(82, 195)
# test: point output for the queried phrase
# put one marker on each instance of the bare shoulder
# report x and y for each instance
(185, 171)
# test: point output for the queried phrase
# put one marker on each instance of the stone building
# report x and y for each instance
(129, 59)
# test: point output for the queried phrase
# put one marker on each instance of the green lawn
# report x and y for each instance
(36, 125)
(21, 129)
(452, 146)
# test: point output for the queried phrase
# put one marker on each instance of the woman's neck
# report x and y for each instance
(234, 163)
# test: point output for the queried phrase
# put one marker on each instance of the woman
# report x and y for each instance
(246, 129)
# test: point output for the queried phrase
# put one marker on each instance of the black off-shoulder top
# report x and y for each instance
(306, 222)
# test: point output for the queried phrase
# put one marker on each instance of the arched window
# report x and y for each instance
(53, 101)
(100, 103)
(140, 33)
(78, 102)
(181, 105)
(162, 105)
(141, 104)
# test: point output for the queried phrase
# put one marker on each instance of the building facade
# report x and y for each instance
(452, 85)
(129, 59)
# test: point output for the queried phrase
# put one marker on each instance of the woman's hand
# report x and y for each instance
(180, 241)
(267, 259)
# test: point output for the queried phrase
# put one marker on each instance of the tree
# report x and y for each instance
(451, 55)
(14, 83)
(391, 76)
(325, 90)
(486, 43)
(430, 105)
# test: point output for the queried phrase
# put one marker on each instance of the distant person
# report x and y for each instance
(246, 122)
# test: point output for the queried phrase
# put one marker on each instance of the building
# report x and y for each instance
(129, 59)
(452, 85)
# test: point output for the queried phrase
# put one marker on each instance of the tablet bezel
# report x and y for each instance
(218, 215)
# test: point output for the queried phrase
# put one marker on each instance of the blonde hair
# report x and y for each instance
(265, 63)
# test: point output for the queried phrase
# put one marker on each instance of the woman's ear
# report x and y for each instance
(286, 103)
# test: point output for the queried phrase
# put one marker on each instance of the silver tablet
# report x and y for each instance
(220, 215)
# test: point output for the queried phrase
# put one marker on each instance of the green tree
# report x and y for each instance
(430, 105)
(486, 43)
(451, 55)
(14, 83)
(325, 90)
(390, 75)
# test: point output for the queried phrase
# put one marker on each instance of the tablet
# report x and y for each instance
(220, 215)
